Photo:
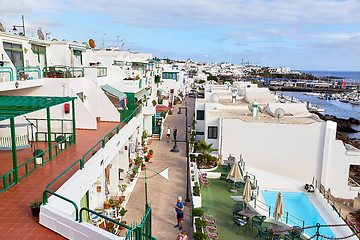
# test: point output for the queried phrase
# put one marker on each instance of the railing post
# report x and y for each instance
(287, 217)
(73, 119)
(138, 232)
(13, 149)
(269, 211)
(49, 131)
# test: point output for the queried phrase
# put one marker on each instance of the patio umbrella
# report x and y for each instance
(247, 191)
(279, 207)
(235, 173)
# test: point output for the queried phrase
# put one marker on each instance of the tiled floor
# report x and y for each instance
(15, 215)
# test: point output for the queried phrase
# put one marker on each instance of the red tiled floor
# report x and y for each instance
(16, 219)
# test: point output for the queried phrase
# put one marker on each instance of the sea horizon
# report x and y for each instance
(348, 76)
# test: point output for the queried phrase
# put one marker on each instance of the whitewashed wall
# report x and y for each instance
(293, 151)
(83, 180)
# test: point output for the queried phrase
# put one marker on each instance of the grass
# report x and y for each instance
(216, 201)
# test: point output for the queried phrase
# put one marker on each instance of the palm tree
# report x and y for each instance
(205, 150)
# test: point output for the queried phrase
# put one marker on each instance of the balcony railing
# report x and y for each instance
(133, 231)
(22, 73)
(4, 71)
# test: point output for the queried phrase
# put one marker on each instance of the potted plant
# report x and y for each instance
(122, 213)
(111, 203)
(143, 166)
(151, 152)
(35, 208)
(138, 161)
(38, 154)
(106, 205)
(110, 135)
(61, 138)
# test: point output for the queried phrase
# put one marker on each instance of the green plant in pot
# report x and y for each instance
(38, 154)
(35, 208)
(61, 138)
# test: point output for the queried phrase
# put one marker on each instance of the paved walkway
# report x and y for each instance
(162, 194)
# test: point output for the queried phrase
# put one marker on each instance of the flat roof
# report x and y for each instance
(13, 106)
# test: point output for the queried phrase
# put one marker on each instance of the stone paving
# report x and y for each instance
(162, 194)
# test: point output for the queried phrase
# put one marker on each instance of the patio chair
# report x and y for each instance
(211, 228)
(212, 235)
(240, 184)
(263, 233)
(95, 219)
(229, 181)
(239, 223)
(209, 219)
(295, 233)
(237, 207)
(257, 221)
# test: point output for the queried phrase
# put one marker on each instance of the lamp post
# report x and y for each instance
(176, 149)
(23, 25)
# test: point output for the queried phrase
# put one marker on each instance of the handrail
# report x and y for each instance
(10, 71)
(27, 69)
(64, 198)
(100, 215)
(75, 69)
(45, 199)
(62, 69)
(83, 158)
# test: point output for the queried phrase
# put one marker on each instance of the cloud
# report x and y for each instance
(235, 14)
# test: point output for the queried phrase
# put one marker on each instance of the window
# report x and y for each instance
(200, 114)
(78, 55)
(169, 76)
(212, 132)
(40, 52)
(15, 53)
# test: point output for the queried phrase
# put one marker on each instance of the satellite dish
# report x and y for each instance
(214, 98)
(279, 113)
(40, 34)
(2, 29)
(92, 43)
(87, 45)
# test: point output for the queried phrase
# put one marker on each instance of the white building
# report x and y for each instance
(298, 145)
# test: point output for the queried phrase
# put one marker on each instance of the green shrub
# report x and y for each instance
(199, 236)
(197, 212)
(196, 189)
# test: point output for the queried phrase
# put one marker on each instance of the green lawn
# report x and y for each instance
(216, 201)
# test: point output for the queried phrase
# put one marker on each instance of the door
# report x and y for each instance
(85, 203)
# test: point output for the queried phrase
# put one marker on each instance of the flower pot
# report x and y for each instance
(38, 160)
(35, 211)
(61, 146)
(121, 227)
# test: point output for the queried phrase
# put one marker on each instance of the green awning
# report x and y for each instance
(78, 48)
(13, 106)
(141, 93)
(113, 91)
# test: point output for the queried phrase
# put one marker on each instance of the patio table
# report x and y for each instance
(273, 228)
(248, 213)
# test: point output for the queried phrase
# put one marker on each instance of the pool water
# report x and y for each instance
(298, 205)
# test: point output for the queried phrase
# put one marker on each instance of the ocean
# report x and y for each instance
(332, 107)
(348, 76)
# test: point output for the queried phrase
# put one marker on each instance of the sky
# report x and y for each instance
(301, 34)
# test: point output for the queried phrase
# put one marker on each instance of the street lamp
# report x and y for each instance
(22, 26)
(176, 149)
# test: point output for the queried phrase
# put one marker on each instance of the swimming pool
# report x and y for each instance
(298, 204)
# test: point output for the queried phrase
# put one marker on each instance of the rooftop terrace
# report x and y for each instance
(16, 218)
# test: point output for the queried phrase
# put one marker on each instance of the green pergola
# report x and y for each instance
(14, 106)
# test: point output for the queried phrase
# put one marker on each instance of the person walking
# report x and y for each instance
(182, 236)
(168, 132)
(175, 133)
(179, 208)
